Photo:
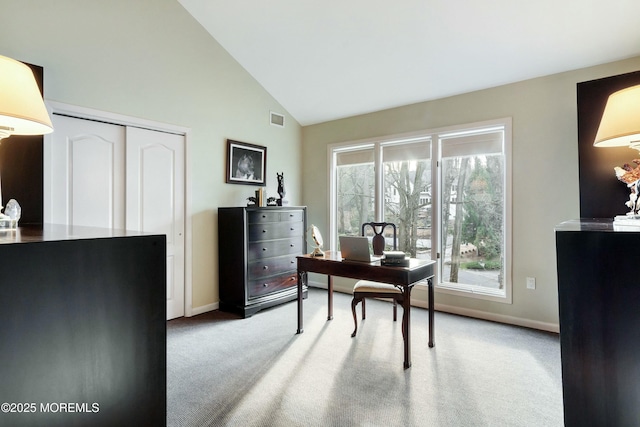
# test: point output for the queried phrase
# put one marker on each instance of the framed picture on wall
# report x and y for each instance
(246, 163)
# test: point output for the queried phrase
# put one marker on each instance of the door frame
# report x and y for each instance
(55, 107)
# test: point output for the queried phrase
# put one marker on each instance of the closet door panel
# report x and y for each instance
(155, 200)
(88, 173)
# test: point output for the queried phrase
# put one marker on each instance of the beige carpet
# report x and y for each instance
(226, 371)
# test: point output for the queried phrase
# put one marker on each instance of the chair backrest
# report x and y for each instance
(378, 241)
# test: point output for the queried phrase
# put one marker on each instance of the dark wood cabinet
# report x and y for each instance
(257, 256)
(599, 296)
(83, 315)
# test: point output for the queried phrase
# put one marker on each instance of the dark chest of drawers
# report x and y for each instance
(257, 250)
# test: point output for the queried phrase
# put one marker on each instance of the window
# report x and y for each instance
(447, 191)
(355, 188)
(404, 191)
(407, 188)
(473, 212)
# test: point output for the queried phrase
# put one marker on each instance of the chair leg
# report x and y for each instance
(354, 302)
(403, 331)
(364, 310)
(395, 310)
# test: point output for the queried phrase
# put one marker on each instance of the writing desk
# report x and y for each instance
(332, 264)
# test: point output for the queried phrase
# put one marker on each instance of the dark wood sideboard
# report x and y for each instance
(83, 315)
(257, 249)
(599, 303)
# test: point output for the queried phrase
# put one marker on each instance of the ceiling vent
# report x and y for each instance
(277, 119)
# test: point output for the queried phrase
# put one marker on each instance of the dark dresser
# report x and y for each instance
(257, 256)
(599, 302)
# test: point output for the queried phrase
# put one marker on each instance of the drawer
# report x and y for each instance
(268, 267)
(258, 217)
(270, 248)
(275, 230)
(294, 216)
(256, 288)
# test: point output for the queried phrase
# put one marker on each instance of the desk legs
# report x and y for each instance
(431, 313)
(406, 320)
(406, 324)
(302, 279)
(330, 297)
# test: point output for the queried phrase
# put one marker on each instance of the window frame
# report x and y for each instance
(435, 137)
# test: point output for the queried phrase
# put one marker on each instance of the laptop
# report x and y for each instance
(356, 248)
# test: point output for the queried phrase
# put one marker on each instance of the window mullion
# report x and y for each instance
(379, 184)
(436, 199)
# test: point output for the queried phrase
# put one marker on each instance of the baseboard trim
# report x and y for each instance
(203, 309)
(476, 314)
(493, 317)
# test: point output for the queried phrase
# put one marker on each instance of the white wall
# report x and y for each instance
(545, 175)
(151, 59)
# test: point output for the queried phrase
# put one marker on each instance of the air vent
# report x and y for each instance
(277, 119)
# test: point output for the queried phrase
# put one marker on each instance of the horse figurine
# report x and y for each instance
(281, 190)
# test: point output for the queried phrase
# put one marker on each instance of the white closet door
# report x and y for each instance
(120, 177)
(87, 173)
(155, 200)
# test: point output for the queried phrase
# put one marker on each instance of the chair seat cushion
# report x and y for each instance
(369, 286)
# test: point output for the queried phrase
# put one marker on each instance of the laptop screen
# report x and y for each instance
(356, 248)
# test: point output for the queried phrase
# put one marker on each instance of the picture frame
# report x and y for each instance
(246, 163)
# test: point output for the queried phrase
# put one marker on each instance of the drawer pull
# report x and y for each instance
(264, 249)
(292, 229)
(292, 278)
(292, 245)
(264, 231)
(266, 267)
(266, 285)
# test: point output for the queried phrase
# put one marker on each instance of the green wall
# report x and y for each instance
(150, 59)
(544, 178)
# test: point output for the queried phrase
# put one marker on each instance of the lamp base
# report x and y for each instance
(7, 223)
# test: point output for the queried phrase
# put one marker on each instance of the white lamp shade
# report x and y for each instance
(22, 110)
(620, 123)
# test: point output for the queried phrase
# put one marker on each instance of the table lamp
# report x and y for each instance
(22, 109)
(620, 126)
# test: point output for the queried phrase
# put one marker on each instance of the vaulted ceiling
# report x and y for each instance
(329, 59)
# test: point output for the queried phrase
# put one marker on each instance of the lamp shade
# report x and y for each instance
(620, 123)
(22, 110)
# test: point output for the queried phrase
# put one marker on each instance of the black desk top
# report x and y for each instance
(596, 224)
(586, 224)
(58, 232)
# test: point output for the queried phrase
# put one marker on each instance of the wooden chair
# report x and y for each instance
(368, 289)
